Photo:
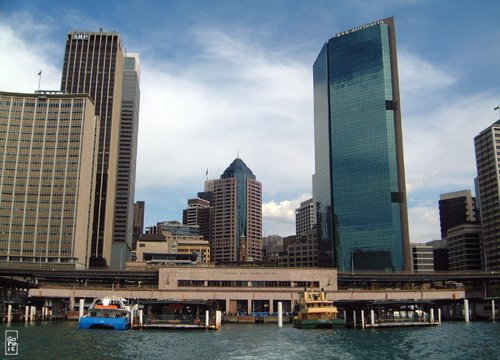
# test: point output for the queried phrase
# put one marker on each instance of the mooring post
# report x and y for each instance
(140, 317)
(466, 310)
(362, 319)
(432, 315)
(439, 316)
(280, 314)
(218, 319)
(9, 313)
(26, 313)
(372, 317)
(81, 308)
(345, 317)
(354, 319)
(493, 310)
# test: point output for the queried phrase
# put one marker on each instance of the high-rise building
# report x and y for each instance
(456, 208)
(464, 247)
(199, 212)
(138, 229)
(305, 217)
(94, 64)
(47, 179)
(422, 257)
(359, 184)
(127, 159)
(237, 215)
(488, 163)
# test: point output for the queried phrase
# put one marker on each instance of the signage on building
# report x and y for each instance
(359, 28)
(80, 36)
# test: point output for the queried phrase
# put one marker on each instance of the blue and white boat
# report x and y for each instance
(107, 313)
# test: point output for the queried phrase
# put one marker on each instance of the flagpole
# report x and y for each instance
(39, 79)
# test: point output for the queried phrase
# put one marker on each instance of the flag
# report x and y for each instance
(206, 172)
(40, 73)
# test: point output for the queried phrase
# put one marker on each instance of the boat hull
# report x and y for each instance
(104, 323)
(318, 323)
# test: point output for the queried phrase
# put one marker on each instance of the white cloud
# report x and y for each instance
(279, 216)
(424, 223)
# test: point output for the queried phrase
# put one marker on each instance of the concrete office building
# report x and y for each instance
(305, 217)
(464, 247)
(359, 183)
(127, 159)
(487, 148)
(422, 257)
(47, 179)
(237, 215)
(199, 213)
(456, 208)
(94, 64)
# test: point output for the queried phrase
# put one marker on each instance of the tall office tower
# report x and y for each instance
(138, 230)
(47, 179)
(93, 64)
(199, 212)
(127, 158)
(359, 184)
(237, 215)
(305, 217)
(488, 163)
(456, 208)
(422, 257)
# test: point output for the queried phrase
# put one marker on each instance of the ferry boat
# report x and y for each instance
(314, 311)
(107, 313)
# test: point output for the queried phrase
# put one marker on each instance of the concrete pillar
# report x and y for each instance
(81, 308)
(9, 313)
(26, 313)
(271, 306)
(43, 313)
(354, 319)
(280, 314)
(432, 315)
(362, 319)
(227, 306)
(466, 310)
(207, 319)
(439, 316)
(218, 320)
(71, 303)
(372, 317)
(493, 310)
(345, 318)
(140, 317)
(249, 306)
(32, 313)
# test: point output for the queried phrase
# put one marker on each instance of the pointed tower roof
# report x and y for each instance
(237, 167)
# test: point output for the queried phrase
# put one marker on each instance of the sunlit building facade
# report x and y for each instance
(47, 179)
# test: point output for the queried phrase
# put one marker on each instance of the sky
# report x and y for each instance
(222, 78)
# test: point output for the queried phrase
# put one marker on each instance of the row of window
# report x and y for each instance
(237, 283)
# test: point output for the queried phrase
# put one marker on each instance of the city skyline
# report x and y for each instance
(240, 77)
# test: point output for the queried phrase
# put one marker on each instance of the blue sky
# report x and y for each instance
(220, 77)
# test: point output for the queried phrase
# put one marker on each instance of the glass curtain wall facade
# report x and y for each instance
(359, 184)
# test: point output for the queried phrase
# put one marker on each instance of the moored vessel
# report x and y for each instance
(107, 313)
(314, 311)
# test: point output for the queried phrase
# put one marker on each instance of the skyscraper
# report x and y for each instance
(127, 158)
(237, 215)
(456, 208)
(488, 163)
(359, 184)
(47, 179)
(94, 64)
(305, 217)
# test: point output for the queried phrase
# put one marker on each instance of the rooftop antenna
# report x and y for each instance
(238, 154)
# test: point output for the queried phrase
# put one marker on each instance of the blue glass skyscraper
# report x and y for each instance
(359, 184)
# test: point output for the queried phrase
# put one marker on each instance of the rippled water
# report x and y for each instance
(454, 340)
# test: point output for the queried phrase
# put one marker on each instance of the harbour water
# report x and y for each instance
(451, 340)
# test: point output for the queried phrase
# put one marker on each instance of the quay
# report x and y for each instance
(239, 289)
